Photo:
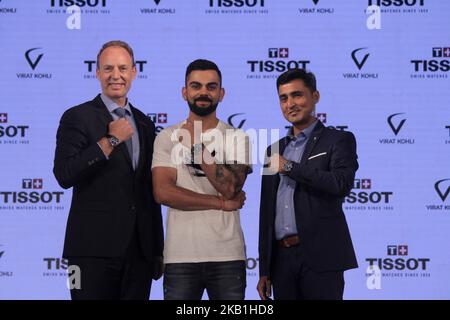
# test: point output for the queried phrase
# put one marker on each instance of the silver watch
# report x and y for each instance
(113, 141)
(287, 167)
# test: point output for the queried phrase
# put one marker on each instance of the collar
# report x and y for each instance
(111, 105)
(306, 132)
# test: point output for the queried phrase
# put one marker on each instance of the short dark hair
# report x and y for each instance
(116, 43)
(202, 64)
(298, 74)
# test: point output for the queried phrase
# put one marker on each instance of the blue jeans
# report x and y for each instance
(222, 280)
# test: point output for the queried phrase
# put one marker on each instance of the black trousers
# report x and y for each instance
(292, 279)
(128, 277)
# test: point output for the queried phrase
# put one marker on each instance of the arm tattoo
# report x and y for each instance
(239, 172)
(236, 176)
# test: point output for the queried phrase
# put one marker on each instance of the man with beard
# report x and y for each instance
(304, 241)
(199, 168)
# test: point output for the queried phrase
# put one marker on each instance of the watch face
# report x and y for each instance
(287, 166)
(113, 141)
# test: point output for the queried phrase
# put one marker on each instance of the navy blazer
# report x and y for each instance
(324, 176)
(108, 195)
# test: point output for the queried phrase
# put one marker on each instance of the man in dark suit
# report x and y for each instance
(304, 241)
(104, 149)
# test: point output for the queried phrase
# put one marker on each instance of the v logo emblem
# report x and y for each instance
(358, 63)
(397, 128)
(316, 1)
(442, 195)
(240, 125)
(33, 64)
(157, 1)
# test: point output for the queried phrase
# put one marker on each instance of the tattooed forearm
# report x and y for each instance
(239, 172)
(229, 179)
(219, 172)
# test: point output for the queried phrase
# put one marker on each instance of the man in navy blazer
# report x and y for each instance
(104, 151)
(304, 241)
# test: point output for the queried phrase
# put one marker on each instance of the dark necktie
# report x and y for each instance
(120, 112)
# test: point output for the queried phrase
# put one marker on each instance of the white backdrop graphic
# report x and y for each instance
(388, 85)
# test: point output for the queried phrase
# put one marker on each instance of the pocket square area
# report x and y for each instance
(317, 155)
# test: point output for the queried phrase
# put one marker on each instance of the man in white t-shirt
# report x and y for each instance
(199, 168)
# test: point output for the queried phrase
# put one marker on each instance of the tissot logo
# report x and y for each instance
(158, 119)
(86, 7)
(368, 196)
(322, 117)
(401, 250)
(252, 266)
(32, 183)
(55, 267)
(279, 60)
(55, 263)
(395, 125)
(359, 61)
(237, 3)
(9, 133)
(91, 67)
(238, 7)
(33, 62)
(397, 259)
(278, 53)
(325, 120)
(442, 188)
(396, 3)
(3, 117)
(362, 184)
(233, 122)
(437, 67)
(79, 3)
(32, 194)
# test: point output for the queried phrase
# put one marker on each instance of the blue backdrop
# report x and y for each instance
(388, 85)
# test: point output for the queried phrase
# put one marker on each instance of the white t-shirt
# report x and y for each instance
(204, 235)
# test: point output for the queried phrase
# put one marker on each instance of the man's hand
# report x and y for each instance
(235, 203)
(121, 129)
(276, 163)
(264, 288)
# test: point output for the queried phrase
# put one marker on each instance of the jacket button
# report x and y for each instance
(133, 208)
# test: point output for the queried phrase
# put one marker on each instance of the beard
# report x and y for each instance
(202, 111)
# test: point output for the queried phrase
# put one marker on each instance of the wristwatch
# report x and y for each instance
(287, 167)
(113, 141)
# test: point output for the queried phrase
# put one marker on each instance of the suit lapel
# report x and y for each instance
(312, 141)
(106, 118)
